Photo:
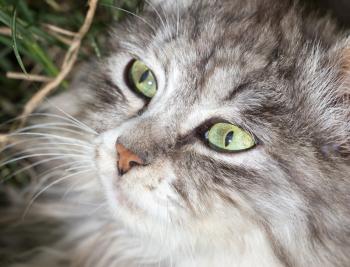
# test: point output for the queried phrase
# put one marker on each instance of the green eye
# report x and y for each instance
(227, 137)
(142, 79)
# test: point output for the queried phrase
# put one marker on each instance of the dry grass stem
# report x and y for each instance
(68, 63)
(62, 39)
(3, 139)
(5, 31)
(55, 6)
(59, 30)
(28, 77)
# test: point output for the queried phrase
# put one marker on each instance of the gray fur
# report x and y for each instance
(268, 66)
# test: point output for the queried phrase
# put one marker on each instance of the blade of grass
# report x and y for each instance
(42, 57)
(30, 47)
(29, 31)
(14, 41)
(47, 63)
(5, 64)
(27, 13)
(6, 41)
(95, 46)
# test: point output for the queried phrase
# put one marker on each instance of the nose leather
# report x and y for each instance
(126, 159)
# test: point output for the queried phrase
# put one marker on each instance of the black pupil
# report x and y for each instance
(144, 76)
(228, 138)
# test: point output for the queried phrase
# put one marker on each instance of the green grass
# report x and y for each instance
(32, 48)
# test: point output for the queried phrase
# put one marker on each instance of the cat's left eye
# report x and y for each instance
(142, 79)
(226, 137)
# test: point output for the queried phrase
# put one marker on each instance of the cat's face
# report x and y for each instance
(203, 65)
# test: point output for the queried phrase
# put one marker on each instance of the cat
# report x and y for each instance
(215, 133)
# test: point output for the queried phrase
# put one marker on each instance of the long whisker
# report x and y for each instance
(48, 187)
(50, 142)
(38, 114)
(46, 176)
(99, 207)
(133, 14)
(42, 155)
(40, 163)
(76, 164)
(50, 128)
(159, 16)
(48, 135)
(159, 49)
(44, 149)
(47, 125)
(72, 118)
(70, 189)
(168, 28)
(51, 115)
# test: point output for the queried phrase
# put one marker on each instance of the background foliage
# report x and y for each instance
(40, 49)
(36, 49)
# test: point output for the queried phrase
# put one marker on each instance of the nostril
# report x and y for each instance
(127, 159)
(133, 164)
(120, 170)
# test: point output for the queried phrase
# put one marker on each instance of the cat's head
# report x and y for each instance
(219, 116)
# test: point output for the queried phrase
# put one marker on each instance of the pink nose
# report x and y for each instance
(126, 159)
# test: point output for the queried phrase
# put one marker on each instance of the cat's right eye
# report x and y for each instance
(226, 137)
(141, 79)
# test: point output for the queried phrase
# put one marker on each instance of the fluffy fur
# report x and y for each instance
(269, 66)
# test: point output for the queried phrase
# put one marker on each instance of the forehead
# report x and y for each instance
(208, 65)
(205, 81)
(221, 58)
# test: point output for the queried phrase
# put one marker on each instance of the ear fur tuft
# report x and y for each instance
(346, 73)
(346, 61)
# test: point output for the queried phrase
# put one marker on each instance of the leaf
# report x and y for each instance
(14, 41)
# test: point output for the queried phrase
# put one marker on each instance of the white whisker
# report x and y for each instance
(44, 149)
(51, 128)
(70, 189)
(40, 162)
(168, 28)
(38, 114)
(59, 170)
(53, 136)
(52, 124)
(49, 186)
(159, 16)
(42, 155)
(73, 118)
(133, 14)
(99, 207)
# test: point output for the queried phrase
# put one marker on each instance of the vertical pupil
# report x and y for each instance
(228, 138)
(144, 76)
